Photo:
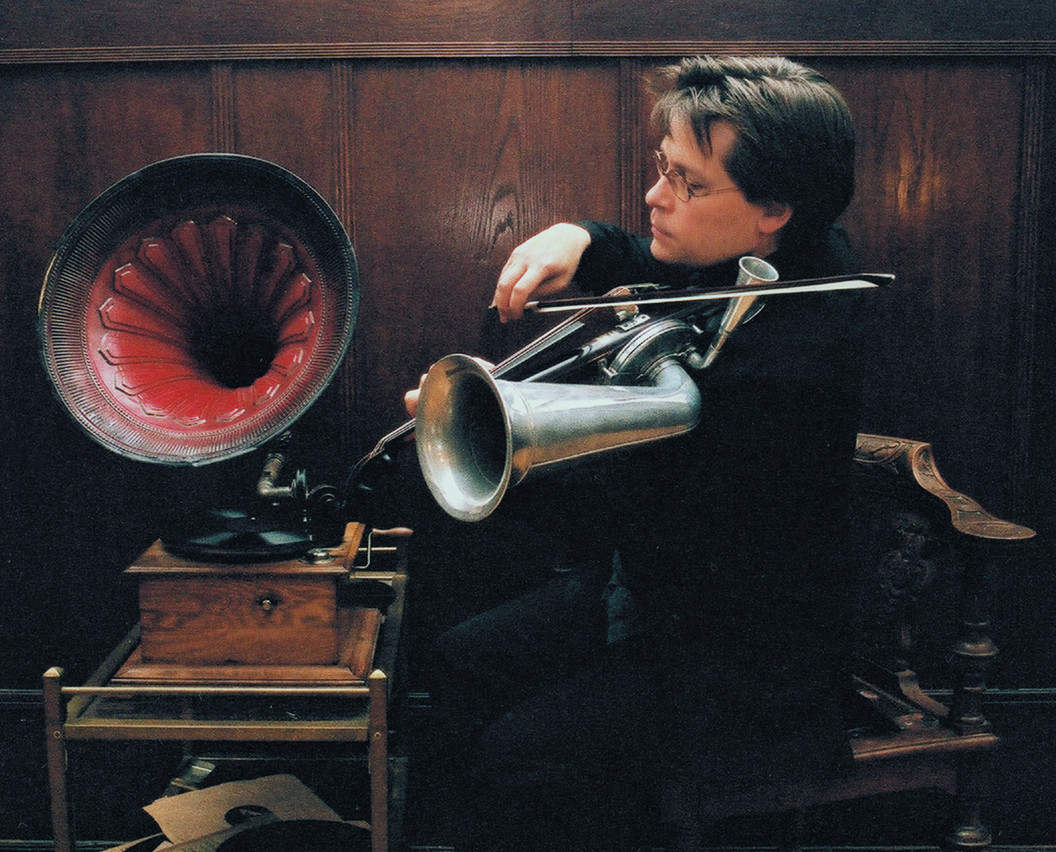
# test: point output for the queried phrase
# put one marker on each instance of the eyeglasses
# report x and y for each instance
(680, 186)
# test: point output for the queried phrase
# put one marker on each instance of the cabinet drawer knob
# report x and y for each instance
(268, 601)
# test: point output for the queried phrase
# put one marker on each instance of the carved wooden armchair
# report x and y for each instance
(919, 539)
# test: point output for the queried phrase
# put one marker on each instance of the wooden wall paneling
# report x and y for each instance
(457, 164)
(441, 167)
(223, 104)
(1031, 601)
(936, 204)
(1042, 474)
(633, 153)
(345, 166)
(141, 29)
(829, 26)
(1024, 591)
(282, 112)
(1030, 271)
(72, 132)
(73, 511)
(137, 30)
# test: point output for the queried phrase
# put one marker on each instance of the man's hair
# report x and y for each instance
(795, 137)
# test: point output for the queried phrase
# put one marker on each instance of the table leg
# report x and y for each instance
(56, 750)
(378, 761)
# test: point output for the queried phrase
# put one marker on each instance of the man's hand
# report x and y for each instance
(410, 399)
(540, 266)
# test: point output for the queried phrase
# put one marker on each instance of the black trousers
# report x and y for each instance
(545, 735)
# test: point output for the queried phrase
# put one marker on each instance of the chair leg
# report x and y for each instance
(969, 834)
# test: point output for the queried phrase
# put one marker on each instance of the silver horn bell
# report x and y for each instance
(477, 435)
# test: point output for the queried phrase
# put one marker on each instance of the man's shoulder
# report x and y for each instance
(830, 254)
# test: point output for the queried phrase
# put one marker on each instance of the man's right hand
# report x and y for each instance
(540, 266)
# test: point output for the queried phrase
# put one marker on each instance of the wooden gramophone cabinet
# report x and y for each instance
(247, 653)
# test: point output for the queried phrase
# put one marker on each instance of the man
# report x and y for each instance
(701, 622)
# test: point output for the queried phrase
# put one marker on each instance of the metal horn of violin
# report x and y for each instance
(473, 443)
(477, 435)
(751, 271)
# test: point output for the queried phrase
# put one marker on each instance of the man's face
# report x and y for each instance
(707, 229)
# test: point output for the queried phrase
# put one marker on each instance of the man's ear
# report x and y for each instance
(775, 217)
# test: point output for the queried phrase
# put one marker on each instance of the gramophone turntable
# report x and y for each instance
(190, 315)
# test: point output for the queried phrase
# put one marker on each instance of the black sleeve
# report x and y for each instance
(616, 258)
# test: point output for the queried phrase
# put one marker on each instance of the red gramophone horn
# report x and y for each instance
(197, 307)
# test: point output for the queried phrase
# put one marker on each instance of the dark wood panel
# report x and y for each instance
(786, 22)
(938, 182)
(440, 167)
(455, 165)
(141, 30)
(145, 23)
(1041, 473)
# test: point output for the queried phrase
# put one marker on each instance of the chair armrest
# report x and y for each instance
(916, 459)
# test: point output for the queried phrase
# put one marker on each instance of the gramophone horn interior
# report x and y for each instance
(197, 307)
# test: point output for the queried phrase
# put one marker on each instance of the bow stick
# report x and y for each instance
(662, 297)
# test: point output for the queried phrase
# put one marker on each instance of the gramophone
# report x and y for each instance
(195, 310)
(190, 315)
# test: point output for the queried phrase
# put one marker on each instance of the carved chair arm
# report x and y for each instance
(985, 535)
(915, 458)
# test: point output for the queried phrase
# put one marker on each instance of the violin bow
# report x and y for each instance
(667, 297)
(625, 296)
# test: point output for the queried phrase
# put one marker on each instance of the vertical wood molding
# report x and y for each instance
(342, 129)
(341, 144)
(1032, 143)
(223, 105)
(631, 133)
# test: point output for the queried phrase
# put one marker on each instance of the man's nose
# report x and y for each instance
(660, 193)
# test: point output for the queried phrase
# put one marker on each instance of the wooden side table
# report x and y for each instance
(208, 705)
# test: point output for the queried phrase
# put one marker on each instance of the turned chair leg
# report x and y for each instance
(973, 653)
(968, 833)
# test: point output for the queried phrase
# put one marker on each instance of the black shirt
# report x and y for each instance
(731, 538)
